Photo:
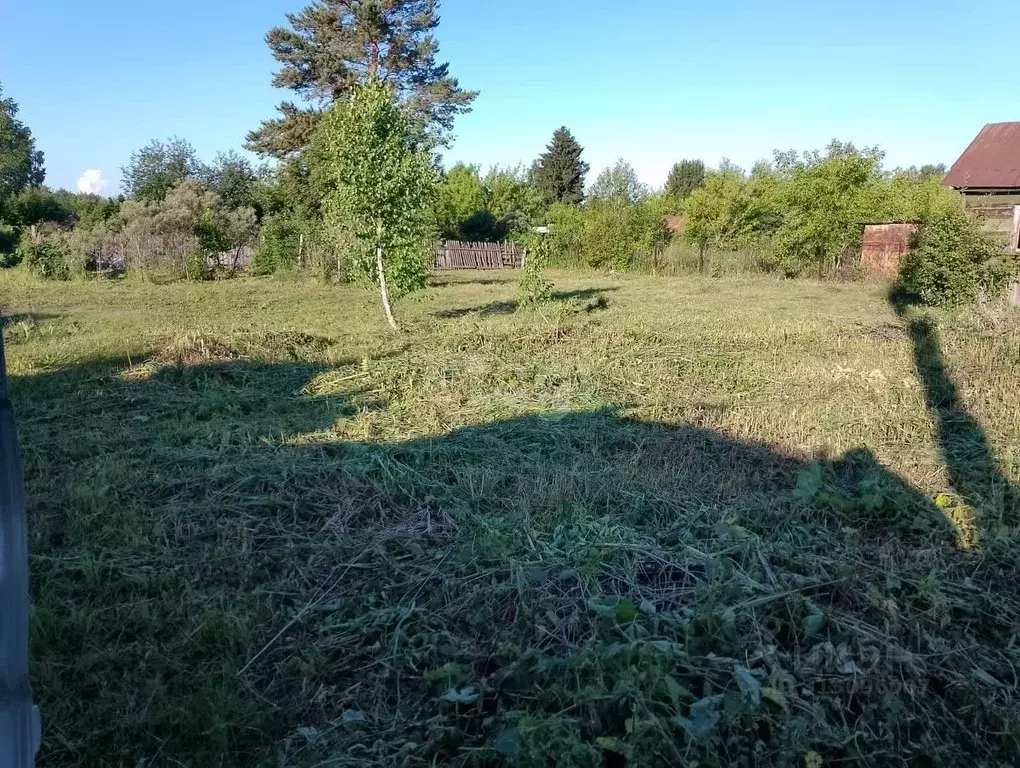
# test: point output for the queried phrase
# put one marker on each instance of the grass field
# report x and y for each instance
(658, 522)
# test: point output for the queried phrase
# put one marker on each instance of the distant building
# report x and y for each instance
(988, 176)
(884, 245)
(676, 224)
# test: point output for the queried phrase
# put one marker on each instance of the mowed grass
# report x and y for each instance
(657, 522)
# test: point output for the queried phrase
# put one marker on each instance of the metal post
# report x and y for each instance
(20, 729)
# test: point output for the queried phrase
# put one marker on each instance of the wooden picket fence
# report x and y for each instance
(454, 254)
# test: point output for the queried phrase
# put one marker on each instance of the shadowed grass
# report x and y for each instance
(713, 522)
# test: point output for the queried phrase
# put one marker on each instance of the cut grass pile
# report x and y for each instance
(658, 522)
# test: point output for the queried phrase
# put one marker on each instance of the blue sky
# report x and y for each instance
(651, 81)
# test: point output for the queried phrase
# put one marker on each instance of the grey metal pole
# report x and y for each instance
(20, 728)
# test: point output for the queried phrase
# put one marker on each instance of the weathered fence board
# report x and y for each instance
(454, 254)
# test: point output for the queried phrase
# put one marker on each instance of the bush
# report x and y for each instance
(481, 226)
(951, 261)
(609, 235)
(279, 247)
(534, 287)
(289, 242)
(48, 257)
(8, 246)
(566, 235)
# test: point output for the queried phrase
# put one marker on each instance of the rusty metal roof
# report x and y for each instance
(992, 161)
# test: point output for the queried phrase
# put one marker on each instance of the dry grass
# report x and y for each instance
(657, 522)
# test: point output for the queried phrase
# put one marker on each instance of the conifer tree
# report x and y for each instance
(333, 46)
(560, 171)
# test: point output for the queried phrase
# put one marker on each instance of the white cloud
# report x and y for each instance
(92, 182)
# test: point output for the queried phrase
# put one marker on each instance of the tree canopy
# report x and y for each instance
(333, 46)
(685, 177)
(462, 195)
(380, 189)
(232, 177)
(21, 164)
(560, 172)
(157, 167)
(620, 182)
(498, 206)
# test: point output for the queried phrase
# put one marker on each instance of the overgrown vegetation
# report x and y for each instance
(778, 527)
(535, 287)
(952, 261)
(181, 218)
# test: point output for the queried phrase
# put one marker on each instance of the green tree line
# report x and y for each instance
(369, 75)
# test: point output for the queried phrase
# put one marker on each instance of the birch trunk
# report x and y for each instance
(383, 290)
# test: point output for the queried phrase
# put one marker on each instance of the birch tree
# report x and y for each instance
(380, 190)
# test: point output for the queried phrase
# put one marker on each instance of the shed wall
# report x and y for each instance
(996, 213)
(883, 247)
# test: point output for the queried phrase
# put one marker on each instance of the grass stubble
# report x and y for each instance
(659, 522)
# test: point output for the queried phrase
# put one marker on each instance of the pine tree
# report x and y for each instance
(685, 177)
(333, 46)
(560, 172)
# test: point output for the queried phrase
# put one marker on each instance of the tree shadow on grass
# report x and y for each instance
(437, 281)
(511, 306)
(221, 574)
(27, 318)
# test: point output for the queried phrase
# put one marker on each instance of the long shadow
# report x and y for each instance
(509, 307)
(230, 568)
(26, 317)
(442, 282)
(974, 472)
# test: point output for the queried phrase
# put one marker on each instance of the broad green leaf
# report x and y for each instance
(776, 696)
(813, 624)
(704, 717)
(507, 742)
(748, 683)
(467, 695)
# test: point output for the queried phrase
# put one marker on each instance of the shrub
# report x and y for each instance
(279, 247)
(48, 257)
(534, 287)
(951, 261)
(8, 246)
(97, 251)
(609, 236)
(566, 234)
(481, 226)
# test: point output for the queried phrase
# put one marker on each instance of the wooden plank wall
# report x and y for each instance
(883, 247)
(454, 254)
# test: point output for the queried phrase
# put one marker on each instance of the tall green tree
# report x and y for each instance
(21, 164)
(715, 212)
(685, 177)
(826, 197)
(560, 172)
(333, 46)
(514, 200)
(461, 196)
(35, 205)
(620, 182)
(233, 178)
(157, 167)
(380, 189)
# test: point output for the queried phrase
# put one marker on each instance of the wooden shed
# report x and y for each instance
(676, 224)
(884, 245)
(988, 176)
